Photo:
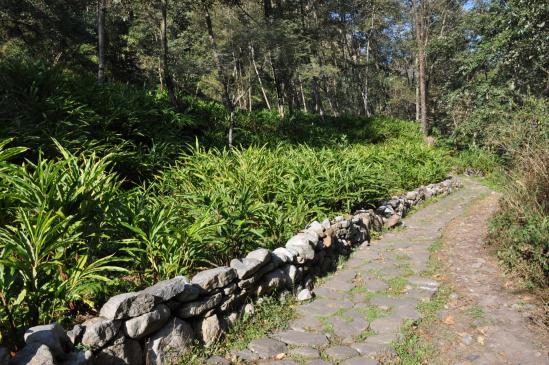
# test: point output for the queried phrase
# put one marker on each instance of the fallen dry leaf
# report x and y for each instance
(449, 320)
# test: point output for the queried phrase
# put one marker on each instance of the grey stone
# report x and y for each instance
(34, 354)
(304, 244)
(360, 361)
(412, 195)
(233, 302)
(297, 338)
(305, 352)
(230, 289)
(196, 308)
(170, 343)
(424, 283)
(305, 294)
(147, 323)
(214, 278)
(340, 353)
(169, 289)
(208, 329)
(277, 362)
(261, 254)
(191, 292)
(373, 349)
(245, 355)
(272, 281)
(99, 331)
(246, 267)
(249, 309)
(386, 325)
(316, 227)
(217, 360)
(292, 274)
(51, 335)
(267, 348)
(282, 255)
(124, 351)
(127, 305)
(318, 362)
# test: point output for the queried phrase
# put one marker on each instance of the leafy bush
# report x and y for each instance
(54, 237)
(520, 231)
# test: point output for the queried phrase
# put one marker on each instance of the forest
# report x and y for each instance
(140, 140)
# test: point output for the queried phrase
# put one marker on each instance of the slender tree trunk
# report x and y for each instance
(168, 80)
(252, 54)
(221, 74)
(318, 100)
(101, 10)
(366, 93)
(303, 100)
(418, 103)
(421, 44)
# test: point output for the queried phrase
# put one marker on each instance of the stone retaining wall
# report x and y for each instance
(157, 324)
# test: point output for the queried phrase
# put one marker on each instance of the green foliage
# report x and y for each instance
(53, 236)
(261, 196)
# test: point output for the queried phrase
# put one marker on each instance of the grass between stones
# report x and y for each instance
(271, 314)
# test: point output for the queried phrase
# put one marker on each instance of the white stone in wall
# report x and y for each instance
(51, 335)
(147, 323)
(214, 278)
(304, 244)
(127, 305)
(168, 289)
(170, 343)
(98, 331)
(196, 308)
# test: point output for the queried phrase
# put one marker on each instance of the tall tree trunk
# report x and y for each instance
(168, 80)
(318, 100)
(221, 74)
(419, 8)
(101, 10)
(366, 93)
(302, 95)
(252, 55)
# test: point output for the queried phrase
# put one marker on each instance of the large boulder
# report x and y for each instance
(51, 335)
(170, 343)
(214, 278)
(123, 351)
(98, 331)
(147, 323)
(128, 305)
(34, 354)
(198, 307)
(170, 288)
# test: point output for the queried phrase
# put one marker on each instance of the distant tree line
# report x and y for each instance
(430, 60)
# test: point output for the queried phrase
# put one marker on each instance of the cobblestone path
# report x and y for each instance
(360, 309)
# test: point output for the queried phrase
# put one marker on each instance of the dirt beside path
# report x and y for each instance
(486, 320)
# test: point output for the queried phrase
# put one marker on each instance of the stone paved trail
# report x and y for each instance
(360, 309)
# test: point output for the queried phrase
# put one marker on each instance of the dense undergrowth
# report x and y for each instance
(107, 188)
